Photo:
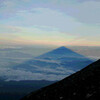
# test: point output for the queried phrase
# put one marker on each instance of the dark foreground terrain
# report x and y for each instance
(83, 85)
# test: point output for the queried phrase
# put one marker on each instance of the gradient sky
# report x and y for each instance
(50, 22)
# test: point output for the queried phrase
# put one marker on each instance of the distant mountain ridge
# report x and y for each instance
(83, 85)
(15, 90)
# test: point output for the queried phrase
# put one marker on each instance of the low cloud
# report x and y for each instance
(17, 75)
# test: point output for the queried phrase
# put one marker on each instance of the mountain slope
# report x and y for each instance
(83, 85)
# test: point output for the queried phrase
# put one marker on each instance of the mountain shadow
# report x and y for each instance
(55, 65)
(83, 85)
(59, 53)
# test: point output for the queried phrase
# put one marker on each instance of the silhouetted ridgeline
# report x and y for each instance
(83, 85)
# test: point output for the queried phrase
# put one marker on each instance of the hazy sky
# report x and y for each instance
(50, 22)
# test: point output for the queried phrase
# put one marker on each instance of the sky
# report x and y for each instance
(50, 22)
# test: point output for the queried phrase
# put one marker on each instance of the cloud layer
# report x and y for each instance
(17, 75)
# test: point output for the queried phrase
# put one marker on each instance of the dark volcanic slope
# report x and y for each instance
(83, 85)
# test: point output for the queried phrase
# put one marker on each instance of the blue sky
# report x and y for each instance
(50, 22)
